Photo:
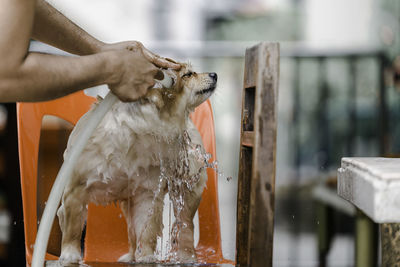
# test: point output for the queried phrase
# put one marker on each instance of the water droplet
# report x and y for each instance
(15, 223)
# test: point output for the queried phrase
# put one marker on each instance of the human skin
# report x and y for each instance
(127, 68)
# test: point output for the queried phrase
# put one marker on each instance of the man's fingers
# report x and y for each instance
(171, 60)
(162, 63)
(159, 61)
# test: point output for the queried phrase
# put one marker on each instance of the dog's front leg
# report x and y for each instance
(147, 219)
(72, 215)
(183, 228)
(127, 209)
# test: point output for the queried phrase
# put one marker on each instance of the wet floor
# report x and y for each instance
(108, 264)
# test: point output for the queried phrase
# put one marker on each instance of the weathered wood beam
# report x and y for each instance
(256, 188)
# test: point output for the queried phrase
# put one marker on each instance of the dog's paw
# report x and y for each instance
(188, 256)
(146, 259)
(128, 257)
(70, 255)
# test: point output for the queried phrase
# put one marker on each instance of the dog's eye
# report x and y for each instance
(188, 74)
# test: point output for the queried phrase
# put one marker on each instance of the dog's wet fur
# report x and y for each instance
(121, 163)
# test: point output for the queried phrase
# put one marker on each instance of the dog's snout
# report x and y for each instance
(213, 75)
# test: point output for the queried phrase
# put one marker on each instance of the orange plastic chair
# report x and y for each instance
(106, 235)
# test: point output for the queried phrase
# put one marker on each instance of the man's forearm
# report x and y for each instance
(43, 77)
(52, 27)
(127, 68)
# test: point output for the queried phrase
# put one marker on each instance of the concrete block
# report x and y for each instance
(372, 185)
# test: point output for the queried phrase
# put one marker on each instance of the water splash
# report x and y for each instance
(177, 177)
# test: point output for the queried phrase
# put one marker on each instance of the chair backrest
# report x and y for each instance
(106, 235)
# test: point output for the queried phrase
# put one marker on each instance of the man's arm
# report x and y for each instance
(43, 77)
(34, 77)
(16, 19)
(53, 28)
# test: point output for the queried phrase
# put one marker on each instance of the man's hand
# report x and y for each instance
(137, 69)
(132, 74)
(150, 56)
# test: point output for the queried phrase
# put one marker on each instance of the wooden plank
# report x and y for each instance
(251, 67)
(243, 206)
(256, 188)
(245, 160)
(262, 194)
(248, 138)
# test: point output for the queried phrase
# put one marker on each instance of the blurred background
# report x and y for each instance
(339, 95)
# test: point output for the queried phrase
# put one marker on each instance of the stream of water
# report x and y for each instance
(178, 177)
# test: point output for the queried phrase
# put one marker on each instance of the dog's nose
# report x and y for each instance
(213, 75)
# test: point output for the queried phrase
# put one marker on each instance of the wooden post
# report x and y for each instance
(256, 188)
(390, 240)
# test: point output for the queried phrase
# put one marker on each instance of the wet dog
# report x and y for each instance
(140, 151)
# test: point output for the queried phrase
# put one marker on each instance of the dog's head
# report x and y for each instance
(189, 89)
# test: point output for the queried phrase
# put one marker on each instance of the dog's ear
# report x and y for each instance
(154, 96)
